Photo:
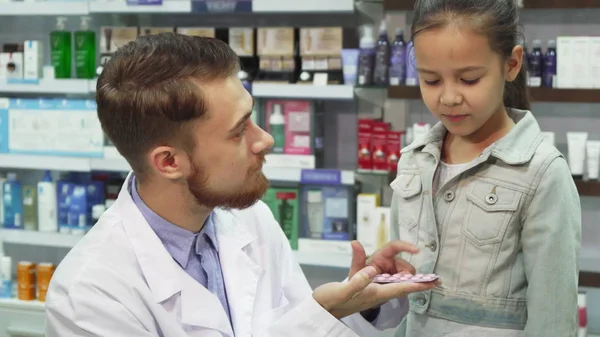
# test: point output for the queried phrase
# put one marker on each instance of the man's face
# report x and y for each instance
(226, 163)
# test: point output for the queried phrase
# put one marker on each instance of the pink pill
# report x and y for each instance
(385, 275)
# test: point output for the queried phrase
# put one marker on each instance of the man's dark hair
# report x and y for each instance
(151, 89)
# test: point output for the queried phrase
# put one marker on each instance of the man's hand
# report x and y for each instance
(360, 293)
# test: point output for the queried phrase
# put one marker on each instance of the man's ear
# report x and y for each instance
(514, 63)
(169, 162)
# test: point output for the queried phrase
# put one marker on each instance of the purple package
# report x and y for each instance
(404, 278)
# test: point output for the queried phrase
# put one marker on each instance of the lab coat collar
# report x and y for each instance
(165, 278)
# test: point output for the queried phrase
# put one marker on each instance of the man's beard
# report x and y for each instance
(254, 187)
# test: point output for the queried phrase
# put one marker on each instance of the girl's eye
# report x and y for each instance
(432, 82)
(470, 82)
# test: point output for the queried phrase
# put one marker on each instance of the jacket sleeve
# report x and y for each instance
(551, 239)
(103, 317)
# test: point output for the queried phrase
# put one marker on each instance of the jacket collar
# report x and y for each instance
(165, 277)
(516, 147)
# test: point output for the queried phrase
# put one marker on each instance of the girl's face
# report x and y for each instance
(462, 79)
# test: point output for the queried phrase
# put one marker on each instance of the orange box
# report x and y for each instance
(44, 274)
(26, 281)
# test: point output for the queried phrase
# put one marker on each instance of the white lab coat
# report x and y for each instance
(119, 280)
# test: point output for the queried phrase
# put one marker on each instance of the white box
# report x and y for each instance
(11, 65)
(33, 59)
(565, 78)
(366, 227)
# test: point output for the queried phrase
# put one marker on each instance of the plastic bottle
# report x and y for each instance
(47, 204)
(277, 128)
(382, 57)
(13, 202)
(5, 276)
(85, 50)
(366, 58)
(550, 64)
(536, 64)
(412, 76)
(60, 49)
(398, 59)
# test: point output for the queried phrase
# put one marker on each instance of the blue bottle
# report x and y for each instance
(550, 64)
(382, 57)
(398, 59)
(412, 76)
(12, 195)
(366, 57)
(536, 64)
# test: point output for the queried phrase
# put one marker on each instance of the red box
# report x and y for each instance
(380, 148)
(394, 141)
(365, 146)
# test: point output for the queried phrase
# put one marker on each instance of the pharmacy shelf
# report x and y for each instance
(285, 174)
(44, 8)
(54, 86)
(109, 165)
(304, 91)
(303, 6)
(35, 238)
(13, 303)
(35, 162)
(121, 6)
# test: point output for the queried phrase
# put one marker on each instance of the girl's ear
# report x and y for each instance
(514, 63)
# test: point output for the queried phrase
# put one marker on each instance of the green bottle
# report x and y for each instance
(60, 49)
(85, 50)
(277, 129)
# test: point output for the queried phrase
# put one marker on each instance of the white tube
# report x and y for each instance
(593, 158)
(576, 144)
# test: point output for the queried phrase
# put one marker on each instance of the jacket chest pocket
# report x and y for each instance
(407, 186)
(491, 208)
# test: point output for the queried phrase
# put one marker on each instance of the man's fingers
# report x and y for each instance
(359, 281)
(359, 258)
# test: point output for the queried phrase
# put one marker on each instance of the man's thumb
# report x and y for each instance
(360, 281)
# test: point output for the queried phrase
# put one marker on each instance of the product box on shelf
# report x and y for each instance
(327, 218)
(26, 281)
(111, 38)
(291, 125)
(366, 204)
(394, 145)
(276, 48)
(196, 31)
(64, 191)
(54, 127)
(380, 147)
(320, 51)
(365, 144)
(11, 66)
(145, 31)
(283, 202)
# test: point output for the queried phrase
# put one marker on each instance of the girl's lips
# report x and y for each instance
(455, 118)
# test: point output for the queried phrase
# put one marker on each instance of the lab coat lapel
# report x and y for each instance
(166, 280)
(240, 271)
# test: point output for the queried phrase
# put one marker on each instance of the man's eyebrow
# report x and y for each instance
(243, 119)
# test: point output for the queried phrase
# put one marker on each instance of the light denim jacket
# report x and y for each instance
(508, 252)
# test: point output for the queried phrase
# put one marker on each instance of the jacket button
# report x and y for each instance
(432, 245)
(422, 300)
(449, 196)
(491, 199)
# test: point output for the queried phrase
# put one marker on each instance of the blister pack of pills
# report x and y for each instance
(405, 278)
